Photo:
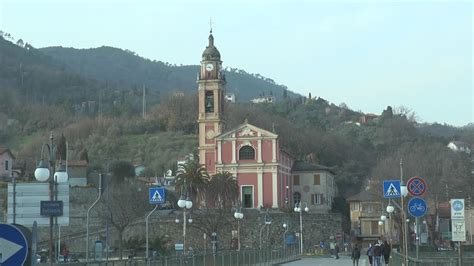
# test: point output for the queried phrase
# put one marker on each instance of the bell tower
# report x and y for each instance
(211, 85)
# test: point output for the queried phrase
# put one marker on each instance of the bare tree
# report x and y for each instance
(123, 203)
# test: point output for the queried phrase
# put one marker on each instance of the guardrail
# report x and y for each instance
(243, 257)
(441, 258)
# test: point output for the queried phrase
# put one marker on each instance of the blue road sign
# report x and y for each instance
(391, 189)
(13, 246)
(417, 207)
(157, 195)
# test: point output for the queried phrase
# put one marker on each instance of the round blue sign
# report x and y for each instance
(458, 205)
(13, 246)
(417, 207)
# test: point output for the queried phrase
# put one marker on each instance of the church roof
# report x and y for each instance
(211, 53)
(302, 166)
(364, 196)
(247, 129)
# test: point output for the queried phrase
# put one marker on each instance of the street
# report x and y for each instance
(324, 261)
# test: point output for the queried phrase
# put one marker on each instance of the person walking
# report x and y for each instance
(386, 252)
(378, 253)
(336, 250)
(370, 254)
(355, 256)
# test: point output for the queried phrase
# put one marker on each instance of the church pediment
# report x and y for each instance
(247, 130)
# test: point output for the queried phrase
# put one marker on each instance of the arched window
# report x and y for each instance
(246, 153)
(296, 197)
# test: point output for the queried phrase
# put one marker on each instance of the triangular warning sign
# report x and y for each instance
(156, 196)
(392, 191)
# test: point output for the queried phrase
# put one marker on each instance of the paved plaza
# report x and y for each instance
(325, 261)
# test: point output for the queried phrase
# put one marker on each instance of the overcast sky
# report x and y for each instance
(367, 54)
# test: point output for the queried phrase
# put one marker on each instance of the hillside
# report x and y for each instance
(98, 109)
(124, 68)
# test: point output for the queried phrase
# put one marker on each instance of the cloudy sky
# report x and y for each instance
(367, 54)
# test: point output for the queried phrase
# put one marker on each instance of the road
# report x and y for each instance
(342, 261)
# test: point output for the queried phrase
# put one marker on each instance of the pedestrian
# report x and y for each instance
(355, 256)
(378, 253)
(386, 252)
(370, 254)
(336, 249)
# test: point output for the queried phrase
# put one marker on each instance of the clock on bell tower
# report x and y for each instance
(211, 85)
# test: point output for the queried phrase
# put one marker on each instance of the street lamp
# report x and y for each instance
(286, 227)
(238, 215)
(43, 174)
(184, 204)
(298, 208)
(268, 221)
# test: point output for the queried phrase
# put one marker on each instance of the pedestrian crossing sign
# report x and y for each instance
(391, 189)
(157, 195)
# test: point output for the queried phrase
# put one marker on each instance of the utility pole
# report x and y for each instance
(144, 103)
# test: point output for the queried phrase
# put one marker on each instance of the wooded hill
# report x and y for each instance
(98, 110)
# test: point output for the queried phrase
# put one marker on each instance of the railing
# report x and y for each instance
(440, 258)
(224, 258)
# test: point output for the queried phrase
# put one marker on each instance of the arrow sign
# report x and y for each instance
(157, 195)
(391, 189)
(13, 246)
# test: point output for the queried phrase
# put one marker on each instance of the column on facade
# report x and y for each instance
(219, 151)
(259, 159)
(233, 150)
(274, 189)
(274, 157)
(260, 188)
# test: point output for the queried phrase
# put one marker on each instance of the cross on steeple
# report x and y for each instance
(210, 24)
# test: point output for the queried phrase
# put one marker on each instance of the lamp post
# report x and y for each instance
(383, 218)
(286, 227)
(43, 173)
(238, 215)
(184, 203)
(298, 208)
(404, 193)
(390, 210)
(268, 221)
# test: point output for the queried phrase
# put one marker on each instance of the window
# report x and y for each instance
(296, 197)
(317, 199)
(209, 102)
(374, 227)
(246, 153)
(296, 180)
(6, 165)
(355, 206)
(247, 196)
(317, 179)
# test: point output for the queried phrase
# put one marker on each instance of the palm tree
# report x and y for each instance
(192, 179)
(223, 190)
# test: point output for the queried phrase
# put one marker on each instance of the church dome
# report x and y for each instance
(211, 52)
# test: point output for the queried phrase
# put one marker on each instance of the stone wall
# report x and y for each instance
(316, 227)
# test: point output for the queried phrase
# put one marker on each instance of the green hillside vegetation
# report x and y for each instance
(114, 130)
(124, 68)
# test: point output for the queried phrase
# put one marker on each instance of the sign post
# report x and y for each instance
(416, 186)
(156, 196)
(458, 224)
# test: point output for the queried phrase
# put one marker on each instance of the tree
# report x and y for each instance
(192, 178)
(223, 190)
(84, 155)
(121, 170)
(122, 204)
(61, 150)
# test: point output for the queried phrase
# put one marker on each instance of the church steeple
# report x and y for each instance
(211, 103)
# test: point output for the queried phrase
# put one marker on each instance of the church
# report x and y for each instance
(268, 177)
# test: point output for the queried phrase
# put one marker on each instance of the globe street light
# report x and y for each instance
(238, 215)
(298, 208)
(286, 227)
(184, 204)
(43, 174)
